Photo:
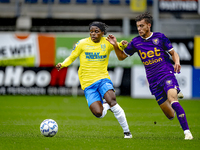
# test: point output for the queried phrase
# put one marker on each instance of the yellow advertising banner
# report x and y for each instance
(138, 5)
(18, 50)
(196, 51)
(30, 50)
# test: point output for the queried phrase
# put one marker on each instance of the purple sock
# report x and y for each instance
(180, 115)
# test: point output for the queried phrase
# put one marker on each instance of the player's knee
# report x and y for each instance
(110, 98)
(97, 114)
(172, 95)
(113, 103)
(171, 116)
(97, 109)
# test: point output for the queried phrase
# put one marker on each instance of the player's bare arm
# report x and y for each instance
(175, 58)
(120, 54)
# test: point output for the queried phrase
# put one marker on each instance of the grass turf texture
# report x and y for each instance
(78, 129)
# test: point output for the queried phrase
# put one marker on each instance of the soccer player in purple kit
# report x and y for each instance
(154, 49)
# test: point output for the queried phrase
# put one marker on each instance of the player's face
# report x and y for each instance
(143, 28)
(95, 34)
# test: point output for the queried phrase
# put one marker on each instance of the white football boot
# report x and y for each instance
(180, 95)
(188, 135)
(127, 135)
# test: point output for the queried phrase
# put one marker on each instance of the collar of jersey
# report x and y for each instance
(147, 37)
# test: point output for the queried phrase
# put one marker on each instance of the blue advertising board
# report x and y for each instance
(196, 83)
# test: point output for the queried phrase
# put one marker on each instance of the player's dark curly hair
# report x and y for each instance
(146, 16)
(102, 26)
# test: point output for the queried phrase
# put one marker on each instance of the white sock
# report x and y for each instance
(120, 116)
(105, 108)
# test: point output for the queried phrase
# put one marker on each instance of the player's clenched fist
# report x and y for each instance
(58, 66)
(124, 42)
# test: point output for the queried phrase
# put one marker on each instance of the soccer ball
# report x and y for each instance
(49, 127)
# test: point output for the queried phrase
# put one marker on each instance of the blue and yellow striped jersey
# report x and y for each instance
(93, 60)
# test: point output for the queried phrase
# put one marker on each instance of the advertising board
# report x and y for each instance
(48, 81)
(178, 5)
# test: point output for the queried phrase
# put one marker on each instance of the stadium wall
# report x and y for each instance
(27, 67)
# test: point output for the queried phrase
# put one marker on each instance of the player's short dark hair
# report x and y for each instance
(102, 26)
(146, 16)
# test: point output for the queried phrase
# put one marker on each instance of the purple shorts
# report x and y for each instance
(160, 90)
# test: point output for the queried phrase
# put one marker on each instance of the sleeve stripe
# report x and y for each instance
(170, 49)
(126, 53)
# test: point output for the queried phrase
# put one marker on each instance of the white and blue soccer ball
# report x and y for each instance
(49, 127)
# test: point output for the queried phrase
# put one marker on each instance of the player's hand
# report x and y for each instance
(58, 66)
(112, 39)
(177, 68)
(124, 42)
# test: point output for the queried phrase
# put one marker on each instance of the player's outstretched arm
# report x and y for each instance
(120, 54)
(66, 62)
(75, 53)
(175, 58)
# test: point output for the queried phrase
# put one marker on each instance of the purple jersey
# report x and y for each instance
(153, 53)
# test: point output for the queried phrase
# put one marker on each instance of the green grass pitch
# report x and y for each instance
(78, 129)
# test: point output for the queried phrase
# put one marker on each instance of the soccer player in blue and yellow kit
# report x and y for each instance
(93, 53)
(154, 49)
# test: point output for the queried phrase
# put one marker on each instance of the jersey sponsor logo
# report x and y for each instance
(103, 47)
(150, 54)
(155, 41)
(152, 61)
(94, 56)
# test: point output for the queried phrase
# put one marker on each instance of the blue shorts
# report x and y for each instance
(160, 90)
(96, 91)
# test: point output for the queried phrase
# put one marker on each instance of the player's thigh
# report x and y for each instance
(167, 109)
(92, 94)
(96, 108)
(106, 90)
(172, 95)
(93, 97)
(172, 89)
(110, 97)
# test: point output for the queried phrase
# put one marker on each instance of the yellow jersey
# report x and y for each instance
(93, 60)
